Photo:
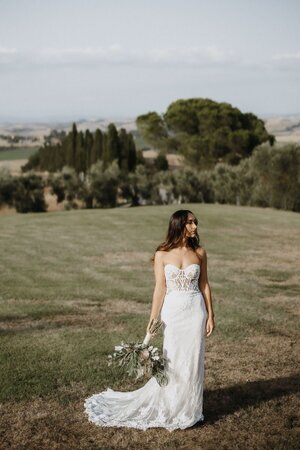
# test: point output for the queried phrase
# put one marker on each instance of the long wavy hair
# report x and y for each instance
(176, 232)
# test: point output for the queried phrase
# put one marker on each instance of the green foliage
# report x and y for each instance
(161, 162)
(97, 148)
(88, 145)
(112, 148)
(276, 173)
(81, 150)
(225, 183)
(193, 186)
(132, 160)
(29, 194)
(66, 185)
(7, 187)
(204, 131)
(127, 159)
(153, 129)
(140, 158)
(103, 184)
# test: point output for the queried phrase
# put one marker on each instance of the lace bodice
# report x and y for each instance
(182, 279)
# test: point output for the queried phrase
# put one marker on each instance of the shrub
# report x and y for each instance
(29, 194)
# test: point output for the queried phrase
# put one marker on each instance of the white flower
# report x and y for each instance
(119, 348)
(150, 348)
(155, 350)
(155, 358)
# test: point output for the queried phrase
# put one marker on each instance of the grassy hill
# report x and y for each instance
(75, 283)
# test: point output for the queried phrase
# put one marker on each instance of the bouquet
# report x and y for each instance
(140, 359)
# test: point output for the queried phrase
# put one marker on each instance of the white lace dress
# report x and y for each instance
(179, 404)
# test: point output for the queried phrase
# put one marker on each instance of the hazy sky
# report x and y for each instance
(71, 59)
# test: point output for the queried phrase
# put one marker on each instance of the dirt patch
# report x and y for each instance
(14, 165)
(6, 211)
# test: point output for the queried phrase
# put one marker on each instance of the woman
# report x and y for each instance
(182, 298)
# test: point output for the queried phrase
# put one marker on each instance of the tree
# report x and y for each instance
(97, 147)
(161, 162)
(276, 173)
(71, 147)
(29, 194)
(7, 187)
(66, 185)
(153, 129)
(88, 144)
(80, 154)
(225, 183)
(132, 159)
(204, 131)
(113, 148)
(124, 150)
(104, 184)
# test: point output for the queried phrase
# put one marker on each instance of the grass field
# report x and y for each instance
(75, 283)
(16, 153)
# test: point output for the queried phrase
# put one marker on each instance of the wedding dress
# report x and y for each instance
(179, 404)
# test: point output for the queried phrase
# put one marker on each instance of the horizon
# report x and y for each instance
(66, 120)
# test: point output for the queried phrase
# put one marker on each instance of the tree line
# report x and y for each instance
(80, 150)
(269, 178)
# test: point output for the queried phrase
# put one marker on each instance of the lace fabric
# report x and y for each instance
(178, 405)
(182, 279)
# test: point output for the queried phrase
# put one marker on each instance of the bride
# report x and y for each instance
(182, 299)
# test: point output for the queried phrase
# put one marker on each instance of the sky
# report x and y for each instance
(93, 59)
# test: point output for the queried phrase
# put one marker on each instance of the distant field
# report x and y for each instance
(18, 153)
(75, 283)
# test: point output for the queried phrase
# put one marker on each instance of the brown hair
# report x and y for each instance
(175, 232)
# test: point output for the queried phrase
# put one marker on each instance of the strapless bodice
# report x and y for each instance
(185, 280)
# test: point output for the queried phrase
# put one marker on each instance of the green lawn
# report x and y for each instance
(75, 283)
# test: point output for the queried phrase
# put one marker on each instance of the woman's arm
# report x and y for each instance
(160, 287)
(206, 292)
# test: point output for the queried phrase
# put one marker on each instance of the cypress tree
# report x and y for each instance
(97, 148)
(72, 141)
(132, 156)
(88, 141)
(80, 161)
(113, 144)
(105, 155)
(124, 150)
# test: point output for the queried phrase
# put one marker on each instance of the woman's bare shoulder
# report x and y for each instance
(159, 257)
(159, 254)
(201, 252)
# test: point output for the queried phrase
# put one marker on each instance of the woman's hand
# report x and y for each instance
(210, 325)
(150, 324)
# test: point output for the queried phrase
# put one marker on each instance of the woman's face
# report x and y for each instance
(191, 225)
